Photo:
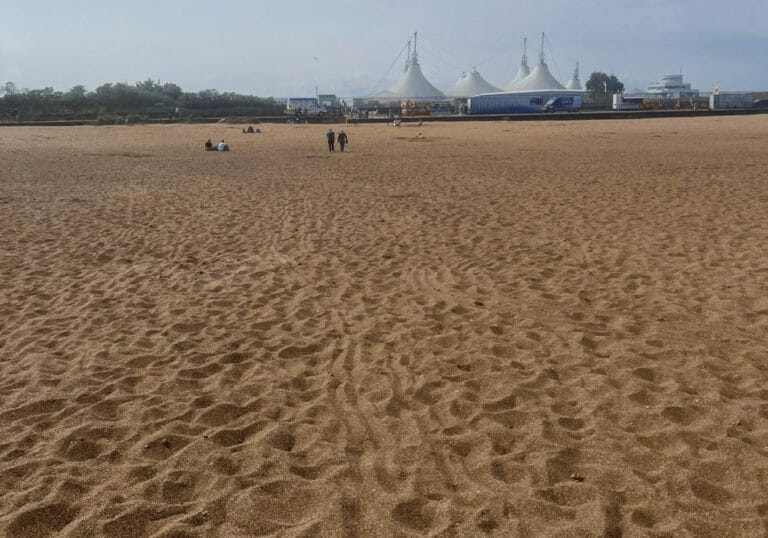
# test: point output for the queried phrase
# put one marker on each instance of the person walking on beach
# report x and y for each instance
(342, 140)
(331, 137)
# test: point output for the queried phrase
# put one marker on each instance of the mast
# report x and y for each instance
(525, 51)
(541, 55)
(415, 55)
(407, 58)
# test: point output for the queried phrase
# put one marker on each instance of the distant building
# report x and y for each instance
(328, 100)
(671, 87)
(530, 93)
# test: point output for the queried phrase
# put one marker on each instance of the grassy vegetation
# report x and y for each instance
(127, 103)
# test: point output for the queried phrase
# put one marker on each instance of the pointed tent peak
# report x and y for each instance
(525, 50)
(524, 60)
(574, 83)
(539, 79)
(413, 84)
(407, 58)
(541, 54)
(470, 84)
(523, 71)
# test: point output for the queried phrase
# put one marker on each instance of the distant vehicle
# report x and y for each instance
(760, 103)
(304, 106)
(563, 104)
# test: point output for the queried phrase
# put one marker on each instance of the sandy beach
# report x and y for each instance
(494, 329)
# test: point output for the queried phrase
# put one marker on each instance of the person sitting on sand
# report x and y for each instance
(209, 145)
(250, 129)
(223, 146)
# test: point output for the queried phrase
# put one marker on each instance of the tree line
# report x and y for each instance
(150, 98)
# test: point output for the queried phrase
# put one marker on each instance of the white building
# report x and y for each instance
(526, 95)
(671, 87)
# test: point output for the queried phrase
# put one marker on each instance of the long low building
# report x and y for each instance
(519, 102)
(526, 94)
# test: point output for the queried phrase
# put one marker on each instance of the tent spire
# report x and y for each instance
(407, 58)
(415, 55)
(574, 83)
(541, 55)
(525, 51)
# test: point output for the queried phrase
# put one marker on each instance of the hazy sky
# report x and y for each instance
(346, 47)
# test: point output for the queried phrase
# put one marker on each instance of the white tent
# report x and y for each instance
(539, 79)
(574, 83)
(523, 71)
(413, 84)
(471, 84)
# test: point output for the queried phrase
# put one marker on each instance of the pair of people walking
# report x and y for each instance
(342, 139)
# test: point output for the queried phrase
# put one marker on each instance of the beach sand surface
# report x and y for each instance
(501, 329)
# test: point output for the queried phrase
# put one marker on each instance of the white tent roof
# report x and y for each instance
(539, 79)
(413, 84)
(574, 83)
(471, 84)
(522, 72)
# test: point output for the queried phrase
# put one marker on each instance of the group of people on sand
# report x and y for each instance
(221, 146)
(341, 138)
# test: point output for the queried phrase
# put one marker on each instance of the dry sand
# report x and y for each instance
(514, 329)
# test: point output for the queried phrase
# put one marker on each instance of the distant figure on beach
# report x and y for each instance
(331, 137)
(342, 140)
(249, 130)
(223, 146)
(209, 145)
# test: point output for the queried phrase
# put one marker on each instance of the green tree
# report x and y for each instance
(9, 88)
(76, 98)
(602, 83)
(149, 86)
(171, 91)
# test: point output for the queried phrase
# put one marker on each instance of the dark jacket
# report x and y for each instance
(329, 135)
(342, 138)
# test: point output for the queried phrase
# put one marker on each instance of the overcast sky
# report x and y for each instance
(346, 47)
